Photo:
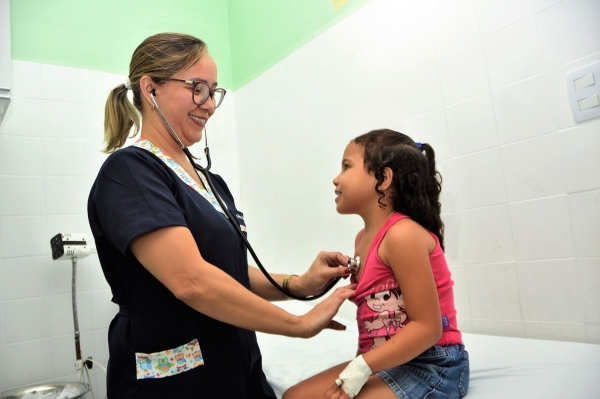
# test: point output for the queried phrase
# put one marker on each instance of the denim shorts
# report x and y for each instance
(439, 372)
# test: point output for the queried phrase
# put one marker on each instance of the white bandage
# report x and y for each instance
(354, 376)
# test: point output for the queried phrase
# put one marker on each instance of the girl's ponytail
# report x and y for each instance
(434, 188)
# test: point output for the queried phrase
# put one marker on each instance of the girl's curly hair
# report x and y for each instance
(416, 184)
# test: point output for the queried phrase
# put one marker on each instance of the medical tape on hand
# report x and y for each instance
(354, 376)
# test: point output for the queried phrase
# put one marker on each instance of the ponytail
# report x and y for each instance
(434, 188)
(119, 117)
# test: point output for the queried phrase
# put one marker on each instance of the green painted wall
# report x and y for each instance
(102, 34)
(245, 37)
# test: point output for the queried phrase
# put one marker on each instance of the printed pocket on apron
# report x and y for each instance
(169, 362)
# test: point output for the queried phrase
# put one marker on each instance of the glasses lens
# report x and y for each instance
(201, 92)
(218, 96)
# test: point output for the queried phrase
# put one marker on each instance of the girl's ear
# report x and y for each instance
(388, 175)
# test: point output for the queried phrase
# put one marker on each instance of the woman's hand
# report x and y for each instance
(321, 316)
(321, 274)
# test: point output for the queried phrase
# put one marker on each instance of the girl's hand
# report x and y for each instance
(336, 392)
(322, 272)
(321, 316)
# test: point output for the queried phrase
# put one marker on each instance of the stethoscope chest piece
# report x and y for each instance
(354, 264)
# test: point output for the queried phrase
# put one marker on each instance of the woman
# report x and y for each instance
(189, 303)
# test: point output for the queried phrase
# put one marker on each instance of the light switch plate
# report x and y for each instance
(583, 85)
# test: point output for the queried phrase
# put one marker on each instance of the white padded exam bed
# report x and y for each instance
(501, 367)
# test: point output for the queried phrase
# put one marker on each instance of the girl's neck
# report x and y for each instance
(374, 220)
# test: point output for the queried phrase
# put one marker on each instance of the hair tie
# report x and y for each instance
(127, 84)
(420, 145)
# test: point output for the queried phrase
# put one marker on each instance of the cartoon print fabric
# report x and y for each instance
(169, 362)
(383, 313)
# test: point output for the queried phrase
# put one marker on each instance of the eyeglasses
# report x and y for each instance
(201, 92)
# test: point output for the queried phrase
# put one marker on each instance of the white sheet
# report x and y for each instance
(500, 366)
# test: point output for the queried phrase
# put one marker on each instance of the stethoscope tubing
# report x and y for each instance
(227, 212)
(236, 225)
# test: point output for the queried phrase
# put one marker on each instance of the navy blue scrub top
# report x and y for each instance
(136, 193)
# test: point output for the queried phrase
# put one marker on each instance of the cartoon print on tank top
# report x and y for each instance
(388, 312)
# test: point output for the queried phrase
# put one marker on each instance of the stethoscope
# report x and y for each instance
(353, 263)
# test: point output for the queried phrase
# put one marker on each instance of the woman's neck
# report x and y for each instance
(165, 141)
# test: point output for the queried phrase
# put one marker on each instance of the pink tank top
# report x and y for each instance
(380, 307)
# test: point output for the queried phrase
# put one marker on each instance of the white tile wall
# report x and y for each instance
(411, 30)
(555, 331)
(472, 125)
(513, 54)
(23, 117)
(568, 31)
(494, 15)
(533, 174)
(549, 291)
(541, 229)
(380, 61)
(20, 156)
(523, 110)
(483, 82)
(19, 370)
(430, 128)
(485, 234)
(24, 278)
(494, 292)
(579, 156)
(584, 209)
(421, 91)
(588, 272)
(454, 25)
(383, 105)
(480, 179)
(448, 197)
(463, 74)
(497, 327)
(21, 195)
(452, 239)
(50, 152)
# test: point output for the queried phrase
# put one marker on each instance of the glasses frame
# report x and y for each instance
(211, 92)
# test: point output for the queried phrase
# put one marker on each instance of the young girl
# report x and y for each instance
(409, 343)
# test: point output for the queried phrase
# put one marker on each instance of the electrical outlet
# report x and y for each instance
(583, 87)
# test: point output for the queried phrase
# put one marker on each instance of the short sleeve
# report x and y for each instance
(134, 193)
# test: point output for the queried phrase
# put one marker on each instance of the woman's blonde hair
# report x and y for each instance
(159, 56)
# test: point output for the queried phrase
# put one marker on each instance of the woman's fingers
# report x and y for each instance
(334, 325)
(321, 316)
